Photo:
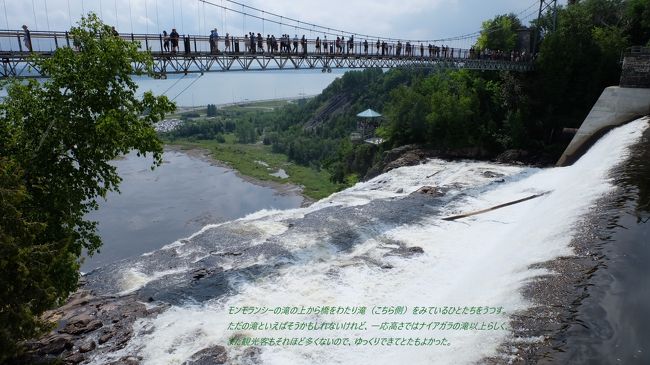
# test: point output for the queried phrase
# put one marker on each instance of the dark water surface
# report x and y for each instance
(177, 199)
(612, 323)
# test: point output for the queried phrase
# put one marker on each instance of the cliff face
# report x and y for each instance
(337, 105)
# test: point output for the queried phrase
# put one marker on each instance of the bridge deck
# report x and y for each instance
(196, 55)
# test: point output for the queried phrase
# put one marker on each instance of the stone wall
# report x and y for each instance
(636, 71)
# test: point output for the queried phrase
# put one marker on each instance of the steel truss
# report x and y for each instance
(20, 64)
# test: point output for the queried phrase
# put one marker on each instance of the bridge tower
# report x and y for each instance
(545, 5)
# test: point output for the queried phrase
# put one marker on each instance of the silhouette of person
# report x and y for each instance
(27, 38)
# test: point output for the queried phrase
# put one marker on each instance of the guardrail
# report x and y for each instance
(198, 53)
(45, 42)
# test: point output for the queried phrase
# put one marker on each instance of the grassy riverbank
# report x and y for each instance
(259, 162)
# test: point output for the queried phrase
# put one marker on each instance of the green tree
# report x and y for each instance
(637, 21)
(57, 138)
(245, 132)
(212, 110)
(499, 33)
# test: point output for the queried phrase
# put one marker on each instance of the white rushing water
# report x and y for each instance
(482, 260)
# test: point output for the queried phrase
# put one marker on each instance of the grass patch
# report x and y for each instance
(243, 157)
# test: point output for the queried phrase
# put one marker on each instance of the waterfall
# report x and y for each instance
(380, 243)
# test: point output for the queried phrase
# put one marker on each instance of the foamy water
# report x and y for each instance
(482, 260)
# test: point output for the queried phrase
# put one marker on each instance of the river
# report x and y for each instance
(184, 194)
(609, 323)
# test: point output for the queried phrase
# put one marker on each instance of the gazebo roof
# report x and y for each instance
(368, 113)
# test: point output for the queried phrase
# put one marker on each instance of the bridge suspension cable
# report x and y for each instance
(47, 16)
(34, 10)
(187, 87)
(157, 16)
(69, 14)
(495, 27)
(131, 16)
(146, 16)
(300, 25)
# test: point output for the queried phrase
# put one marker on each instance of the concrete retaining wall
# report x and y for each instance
(615, 106)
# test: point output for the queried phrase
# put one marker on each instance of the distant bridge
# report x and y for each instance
(195, 55)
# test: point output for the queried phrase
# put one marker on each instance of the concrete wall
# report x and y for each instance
(616, 106)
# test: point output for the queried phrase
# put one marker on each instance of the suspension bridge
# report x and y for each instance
(196, 53)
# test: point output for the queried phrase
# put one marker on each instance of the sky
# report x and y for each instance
(402, 19)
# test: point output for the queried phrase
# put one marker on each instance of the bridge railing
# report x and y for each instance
(46, 42)
(637, 50)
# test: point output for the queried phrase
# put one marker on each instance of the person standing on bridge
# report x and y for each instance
(27, 38)
(214, 41)
(186, 44)
(165, 41)
(252, 44)
(174, 37)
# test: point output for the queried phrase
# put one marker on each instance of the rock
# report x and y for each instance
(127, 360)
(410, 158)
(253, 353)
(79, 328)
(390, 161)
(82, 323)
(491, 174)
(54, 344)
(209, 356)
(200, 273)
(232, 254)
(430, 191)
(512, 156)
(87, 347)
(74, 358)
(122, 339)
(105, 337)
